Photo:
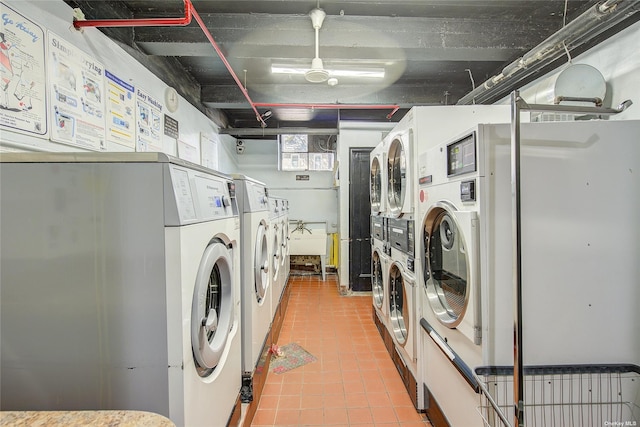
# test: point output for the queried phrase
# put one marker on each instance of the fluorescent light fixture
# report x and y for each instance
(353, 72)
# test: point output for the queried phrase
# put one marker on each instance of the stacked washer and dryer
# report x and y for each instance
(379, 255)
(464, 217)
(120, 286)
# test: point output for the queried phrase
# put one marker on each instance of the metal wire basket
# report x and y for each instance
(563, 395)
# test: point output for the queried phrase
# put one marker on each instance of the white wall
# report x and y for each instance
(352, 135)
(57, 16)
(618, 60)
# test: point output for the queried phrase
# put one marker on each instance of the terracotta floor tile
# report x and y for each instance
(313, 389)
(311, 417)
(269, 401)
(287, 417)
(354, 387)
(334, 400)
(289, 402)
(383, 414)
(264, 417)
(335, 416)
(272, 389)
(314, 401)
(407, 414)
(291, 389)
(399, 398)
(359, 416)
(356, 400)
(376, 399)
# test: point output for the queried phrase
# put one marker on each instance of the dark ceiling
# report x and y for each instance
(432, 51)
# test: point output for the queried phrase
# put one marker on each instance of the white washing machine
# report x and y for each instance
(286, 248)
(253, 203)
(275, 250)
(120, 286)
(573, 174)
(399, 145)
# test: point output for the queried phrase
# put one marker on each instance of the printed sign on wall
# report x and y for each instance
(121, 104)
(77, 103)
(149, 122)
(22, 74)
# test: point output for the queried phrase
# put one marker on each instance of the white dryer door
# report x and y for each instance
(375, 184)
(398, 304)
(377, 283)
(397, 175)
(450, 239)
(212, 310)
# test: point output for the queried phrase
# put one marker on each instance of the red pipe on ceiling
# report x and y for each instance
(148, 22)
(189, 12)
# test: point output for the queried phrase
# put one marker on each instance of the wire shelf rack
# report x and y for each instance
(562, 395)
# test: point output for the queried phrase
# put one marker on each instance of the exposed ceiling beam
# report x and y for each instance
(279, 131)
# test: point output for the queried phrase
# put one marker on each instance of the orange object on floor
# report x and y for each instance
(352, 383)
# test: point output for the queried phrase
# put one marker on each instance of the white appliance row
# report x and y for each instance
(577, 178)
(134, 281)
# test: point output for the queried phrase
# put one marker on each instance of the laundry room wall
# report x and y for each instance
(618, 60)
(314, 200)
(352, 135)
(194, 127)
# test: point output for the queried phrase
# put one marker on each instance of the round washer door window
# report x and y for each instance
(261, 263)
(212, 309)
(398, 310)
(397, 173)
(275, 251)
(375, 183)
(446, 268)
(377, 285)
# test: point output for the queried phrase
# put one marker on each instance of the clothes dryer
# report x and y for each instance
(378, 180)
(467, 248)
(253, 204)
(120, 286)
(286, 249)
(380, 269)
(400, 169)
(403, 306)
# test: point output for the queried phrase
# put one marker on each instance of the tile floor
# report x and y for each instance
(352, 383)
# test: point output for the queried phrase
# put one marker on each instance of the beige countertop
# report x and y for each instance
(83, 418)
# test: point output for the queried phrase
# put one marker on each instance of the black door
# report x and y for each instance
(359, 221)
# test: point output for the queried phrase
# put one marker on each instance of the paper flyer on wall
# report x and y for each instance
(76, 83)
(209, 150)
(187, 151)
(121, 105)
(22, 74)
(149, 122)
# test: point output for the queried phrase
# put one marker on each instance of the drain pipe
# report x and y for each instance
(585, 27)
(189, 12)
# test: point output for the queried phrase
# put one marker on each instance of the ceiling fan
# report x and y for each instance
(317, 73)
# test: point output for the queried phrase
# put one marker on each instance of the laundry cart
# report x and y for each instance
(309, 238)
(563, 395)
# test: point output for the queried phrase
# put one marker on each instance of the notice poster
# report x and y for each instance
(22, 74)
(209, 150)
(187, 151)
(76, 83)
(149, 122)
(121, 107)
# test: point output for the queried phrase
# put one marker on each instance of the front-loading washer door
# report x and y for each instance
(446, 264)
(377, 284)
(261, 263)
(397, 175)
(212, 309)
(275, 252)
(398, 306)
(375, 183)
